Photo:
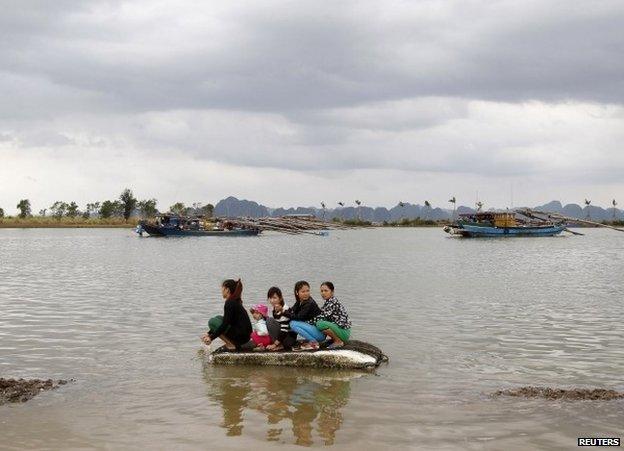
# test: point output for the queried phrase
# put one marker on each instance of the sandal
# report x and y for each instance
(310, 346)
(335, 346)
(325, 344)
(249, 346)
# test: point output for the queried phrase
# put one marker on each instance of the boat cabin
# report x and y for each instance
(169, 221)
(490, 218)
(179, 222)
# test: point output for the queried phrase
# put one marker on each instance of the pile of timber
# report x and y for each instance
(286, 224)
(559, 218)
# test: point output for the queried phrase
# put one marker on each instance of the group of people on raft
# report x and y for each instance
(326, 327)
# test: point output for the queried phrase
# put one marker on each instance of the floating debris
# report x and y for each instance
(573, 394)
(22, 390)
(354, 355)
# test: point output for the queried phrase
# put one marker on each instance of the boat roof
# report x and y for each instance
(181, 218)
(489, 214)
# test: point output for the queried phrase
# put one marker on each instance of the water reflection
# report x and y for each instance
(298, 405)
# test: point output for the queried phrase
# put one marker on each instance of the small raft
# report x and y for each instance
(354, 355)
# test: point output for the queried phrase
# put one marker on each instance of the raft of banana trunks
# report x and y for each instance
(355, 354)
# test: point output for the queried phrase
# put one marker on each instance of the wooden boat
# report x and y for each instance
(502, 224)
(355, 354)
(173, 225)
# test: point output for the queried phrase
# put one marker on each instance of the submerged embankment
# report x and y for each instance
(22, 390)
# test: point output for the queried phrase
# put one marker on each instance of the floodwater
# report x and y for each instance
(459, 319)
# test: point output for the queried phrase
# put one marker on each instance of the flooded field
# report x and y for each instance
(459, 319)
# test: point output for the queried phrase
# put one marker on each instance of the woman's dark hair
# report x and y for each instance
(235, 287)
(328, 285)
(275, 291)
(298, 286)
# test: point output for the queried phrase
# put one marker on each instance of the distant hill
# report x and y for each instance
(576, 211)
(232, 206)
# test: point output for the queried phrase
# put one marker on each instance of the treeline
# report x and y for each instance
(414, 222)
(125, 206)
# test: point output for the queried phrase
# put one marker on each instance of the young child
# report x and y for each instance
(286, 338)
(260, 335)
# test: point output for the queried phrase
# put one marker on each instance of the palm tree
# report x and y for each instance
(427, 209)
(341, 206)
(479, 205)
(587, 204)
(323, 206)
(402, 206)
(358, 203)
(24, 208)
(454, 202)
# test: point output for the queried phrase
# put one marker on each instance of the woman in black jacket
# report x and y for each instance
(234, 327)
(302, 314)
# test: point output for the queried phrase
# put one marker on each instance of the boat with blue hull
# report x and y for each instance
(499, 232)
(172, 225)
(502, 225)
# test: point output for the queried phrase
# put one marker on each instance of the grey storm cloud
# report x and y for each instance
(296, 56)
(485, 88)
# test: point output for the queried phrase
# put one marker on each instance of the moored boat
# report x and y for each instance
(502, 224)
(173, 225)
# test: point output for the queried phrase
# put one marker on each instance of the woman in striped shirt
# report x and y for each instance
(333, 321)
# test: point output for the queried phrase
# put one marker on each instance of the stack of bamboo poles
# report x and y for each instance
(557, 217)
(286, 224)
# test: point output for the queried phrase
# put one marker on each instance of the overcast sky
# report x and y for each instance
(294, 103)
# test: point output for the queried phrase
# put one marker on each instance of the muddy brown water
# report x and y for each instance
(459, 319)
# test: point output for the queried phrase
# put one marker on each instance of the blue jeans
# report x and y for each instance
(307, 331)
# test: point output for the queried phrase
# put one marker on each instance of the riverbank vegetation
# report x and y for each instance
(353, 222)
(35, 222)
(125, 211)
(416, 222)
